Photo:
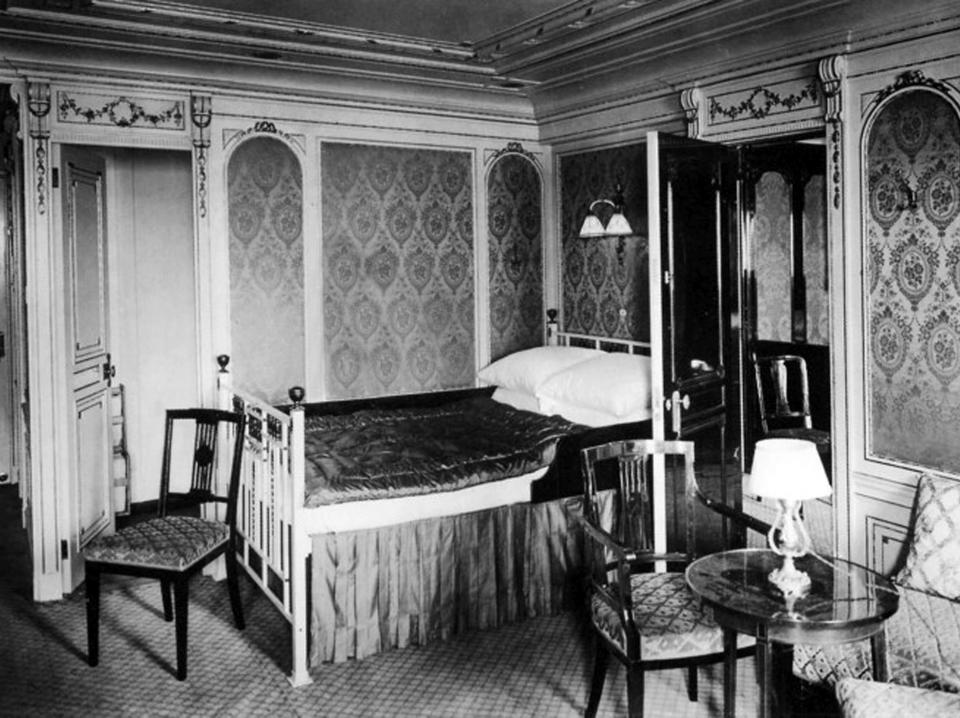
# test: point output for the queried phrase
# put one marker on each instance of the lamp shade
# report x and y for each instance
(618, 226)
(787, 469)
(592, 227)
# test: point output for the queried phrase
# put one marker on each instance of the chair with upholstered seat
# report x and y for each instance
(645, 618)
(175, 547)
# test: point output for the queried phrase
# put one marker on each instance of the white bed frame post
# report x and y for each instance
(299, 546)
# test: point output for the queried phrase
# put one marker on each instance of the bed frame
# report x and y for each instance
(273, 525)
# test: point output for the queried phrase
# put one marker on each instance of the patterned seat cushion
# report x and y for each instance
(866, 699)
(174, 542)
(671, 621)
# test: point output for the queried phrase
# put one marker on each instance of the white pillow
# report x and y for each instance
(588, 417)
(527, 369)
(516, 399)
(617, 384)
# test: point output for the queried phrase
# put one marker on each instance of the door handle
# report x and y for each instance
(700, 366)
(675, 404)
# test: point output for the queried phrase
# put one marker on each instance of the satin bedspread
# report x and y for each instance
(405, 452)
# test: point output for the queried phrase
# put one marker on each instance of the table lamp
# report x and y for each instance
(788, 470)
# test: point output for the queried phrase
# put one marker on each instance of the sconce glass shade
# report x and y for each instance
(787, 469)
(592, 227)
(618, 226)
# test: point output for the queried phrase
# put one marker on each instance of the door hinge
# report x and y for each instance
(64, 549)
(55, 177)
(666, 277)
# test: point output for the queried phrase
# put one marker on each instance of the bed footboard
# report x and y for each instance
(272, 547)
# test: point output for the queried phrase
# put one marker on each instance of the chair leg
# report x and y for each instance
(93, 615)
(729, 674)
(233, 585)
(600, 661)
(635, 691)
(165, 595)
(692, 682)
(180, 597)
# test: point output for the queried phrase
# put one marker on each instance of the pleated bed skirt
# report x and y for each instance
(427, 580)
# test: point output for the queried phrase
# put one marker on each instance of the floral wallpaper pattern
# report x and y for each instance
(594, 285)
(516, 256)
(912, 258)
(398, 269)
(815, 259)
(265, 215)
(772, 247)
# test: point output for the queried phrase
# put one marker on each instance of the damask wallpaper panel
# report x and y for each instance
(398, 269)
(265, 195)
(772, 245)
(815, 260)
(912, 257)
(516, 256)
(594, 285)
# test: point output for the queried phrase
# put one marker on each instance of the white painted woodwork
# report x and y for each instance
(594, 95)
(153, 318)
(85, 246)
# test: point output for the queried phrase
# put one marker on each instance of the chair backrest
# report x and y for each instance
(618, 492)
(208, 426)
(783, 393)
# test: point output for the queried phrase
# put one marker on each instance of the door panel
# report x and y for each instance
(84, 233)
(694, 339)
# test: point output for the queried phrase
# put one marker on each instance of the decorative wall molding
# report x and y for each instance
(89, 108)
(512, 148)
(771, 104)
(832, 72)
(201, 115)
(263, 127)
(38, 103)
(761, 102)
(912, 79)
(691, 100)
(886, 542)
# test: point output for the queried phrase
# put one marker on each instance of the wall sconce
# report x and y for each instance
(616, 226)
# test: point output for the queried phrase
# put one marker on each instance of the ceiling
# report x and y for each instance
(557, 53)
(457, 21)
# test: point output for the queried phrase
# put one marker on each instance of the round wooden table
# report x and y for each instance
(846, 602)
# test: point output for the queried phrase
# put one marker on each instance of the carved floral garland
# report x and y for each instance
(122, 112)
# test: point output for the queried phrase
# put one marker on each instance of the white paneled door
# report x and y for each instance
(85, 258)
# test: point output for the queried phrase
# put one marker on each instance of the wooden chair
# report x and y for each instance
(783, 394)
(647, 619)
(173, 548)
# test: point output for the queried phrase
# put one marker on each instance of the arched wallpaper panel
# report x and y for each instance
(516, 255)
(265, 195)
(912, 257)
(398, 290)
(594, 285)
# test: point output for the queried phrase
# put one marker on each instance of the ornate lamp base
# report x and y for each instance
(793, 582)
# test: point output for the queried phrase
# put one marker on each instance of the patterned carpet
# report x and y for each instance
(536, 668)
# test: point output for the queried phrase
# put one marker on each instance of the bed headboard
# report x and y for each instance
(607, 344)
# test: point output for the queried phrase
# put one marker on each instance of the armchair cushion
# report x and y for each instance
(933, 560)
(867, 699)
(671, 622)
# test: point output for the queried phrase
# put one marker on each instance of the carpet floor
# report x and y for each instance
(540, 667)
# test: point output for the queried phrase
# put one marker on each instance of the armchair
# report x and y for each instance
(922, 638)
(645, 618)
